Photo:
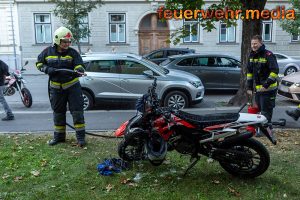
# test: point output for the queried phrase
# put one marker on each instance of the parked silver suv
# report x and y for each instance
(121, 77)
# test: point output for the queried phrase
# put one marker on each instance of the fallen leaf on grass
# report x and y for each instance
(216, 182)
(109, 187)
(18, 178)
(296, 143)
(75, 152)
(284, 134)
(31, 147)
(284, 195)
(234, 192)
(5, 176)
(44, 163)
(167, 162)
(92, 188)
(125, 181)
(133, 184)
(35, 173)
(129, 182)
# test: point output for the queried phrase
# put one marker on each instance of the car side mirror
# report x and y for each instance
(149, 74)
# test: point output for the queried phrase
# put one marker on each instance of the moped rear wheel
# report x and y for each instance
(27, 98)
(246, 159)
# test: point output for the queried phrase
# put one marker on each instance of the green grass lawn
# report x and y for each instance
(30, 169)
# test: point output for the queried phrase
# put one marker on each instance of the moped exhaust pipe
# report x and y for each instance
(236, 138)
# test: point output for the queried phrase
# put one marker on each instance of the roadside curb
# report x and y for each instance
(218, 109)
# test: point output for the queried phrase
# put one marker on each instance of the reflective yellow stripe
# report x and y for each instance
(70, 82)
(64, 85)
(39, 65)
(260, 60)
(273, 75)
(249, 75)
(258, 87)
(78, 66)
(55, 83)
(79, 125)
(51, 57)
(60, 129)
(272, 86)
(299, 106)
(67, 57)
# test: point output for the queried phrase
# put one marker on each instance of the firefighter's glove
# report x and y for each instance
(50, 71)
(79, 69)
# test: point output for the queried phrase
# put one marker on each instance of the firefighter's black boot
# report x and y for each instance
(58, 138)
(80, 135)
(295, 114)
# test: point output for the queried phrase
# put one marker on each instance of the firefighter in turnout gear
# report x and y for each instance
(262, 75)
(64, 87)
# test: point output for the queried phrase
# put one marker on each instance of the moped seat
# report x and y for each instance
(202, 121)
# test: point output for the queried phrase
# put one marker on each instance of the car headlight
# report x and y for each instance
(196, 84)
(297, 84)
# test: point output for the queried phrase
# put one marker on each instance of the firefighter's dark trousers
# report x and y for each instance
(59, 98)
(266, 103)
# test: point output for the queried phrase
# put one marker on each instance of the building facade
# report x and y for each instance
(9, 34)
(133, 26)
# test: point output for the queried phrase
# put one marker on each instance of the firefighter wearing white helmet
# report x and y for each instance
(64, 87)
(62, 33)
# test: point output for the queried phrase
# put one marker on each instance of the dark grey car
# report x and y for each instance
(160, 55)
(216, 71)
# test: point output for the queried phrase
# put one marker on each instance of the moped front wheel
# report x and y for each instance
(132, 147)
(27, 98)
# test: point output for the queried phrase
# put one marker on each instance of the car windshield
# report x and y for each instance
(156, 67)
(166, 62)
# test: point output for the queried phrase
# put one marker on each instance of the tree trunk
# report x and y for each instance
(250, 28)
(79, 46)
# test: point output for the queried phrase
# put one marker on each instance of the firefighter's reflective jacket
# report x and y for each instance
(69, 59)
(262, 69)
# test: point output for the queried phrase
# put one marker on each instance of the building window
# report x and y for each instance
(227, 34)
(295, 38)
(117, 28)
(192, 27)
(84, 23)
(42, 26)
(267, 30)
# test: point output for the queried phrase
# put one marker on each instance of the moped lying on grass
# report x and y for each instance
(154, 130)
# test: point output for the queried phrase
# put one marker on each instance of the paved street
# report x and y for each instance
(108, 116)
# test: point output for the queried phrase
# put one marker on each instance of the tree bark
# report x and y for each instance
(250, 28)
(79, 46)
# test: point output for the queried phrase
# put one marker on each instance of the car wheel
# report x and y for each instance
(176, 99)
(88, 102)
(290, 70)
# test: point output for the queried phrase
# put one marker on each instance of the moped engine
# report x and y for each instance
(9, 91)
(181, 144)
